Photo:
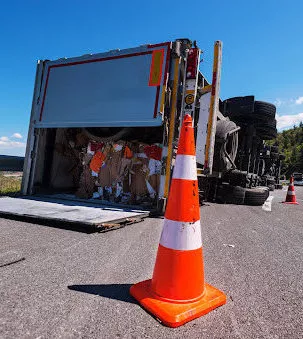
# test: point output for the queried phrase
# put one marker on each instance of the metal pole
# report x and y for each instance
(173, 107)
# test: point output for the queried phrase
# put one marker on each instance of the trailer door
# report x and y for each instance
(120, 88)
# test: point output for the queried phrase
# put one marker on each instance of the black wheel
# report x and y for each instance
(221, 161)
(224, 193)
(264, 110)
(223, 127)
(228, 194)
(242, 110)
(269, 135)
(238, 195)
(236, 178)
(238, 106)
(267, 130)
(266, 125)
(255, 196)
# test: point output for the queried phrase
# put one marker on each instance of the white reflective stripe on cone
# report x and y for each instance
(291, 193)
(179, 235)
(185, 167)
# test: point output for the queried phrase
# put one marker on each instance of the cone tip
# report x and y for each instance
(187, 121)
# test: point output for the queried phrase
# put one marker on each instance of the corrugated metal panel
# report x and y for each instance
(109, 89)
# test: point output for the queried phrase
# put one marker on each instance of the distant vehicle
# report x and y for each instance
(298, 179)
(298, 176)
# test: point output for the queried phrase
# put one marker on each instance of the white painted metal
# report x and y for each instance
(185, 167)
(28, 160)
(202, 127)
(180, 235)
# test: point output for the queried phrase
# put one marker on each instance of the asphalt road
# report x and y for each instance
(67, 284)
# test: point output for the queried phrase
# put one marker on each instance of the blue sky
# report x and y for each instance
(262, 47)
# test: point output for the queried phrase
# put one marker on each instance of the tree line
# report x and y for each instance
(290, 143)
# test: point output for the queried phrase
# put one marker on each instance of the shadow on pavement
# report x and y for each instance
(40, 221)
(111, 291)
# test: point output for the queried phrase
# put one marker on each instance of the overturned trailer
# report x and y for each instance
(104, 131)
(106, 126)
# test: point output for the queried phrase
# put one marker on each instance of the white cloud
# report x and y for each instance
(288, 102)
(287, 121)
(6, 143)
(17, 136)
(278, 102)
(299, 101)
(11, 144)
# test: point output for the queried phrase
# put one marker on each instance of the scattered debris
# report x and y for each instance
(123, 171)
(267, 204)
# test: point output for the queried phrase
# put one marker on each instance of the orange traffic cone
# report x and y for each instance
(177, 292)
(291, 194)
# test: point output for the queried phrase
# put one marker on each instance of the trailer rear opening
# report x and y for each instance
(125, 171)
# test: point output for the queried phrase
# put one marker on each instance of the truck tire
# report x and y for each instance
(269, 124)
(267, 130)
(268, 135)
(228, 194)
(222, 128)
(264, 110)
(224, 193)
(221, 161)
(238, 195)
(236, 177)
(255, 196)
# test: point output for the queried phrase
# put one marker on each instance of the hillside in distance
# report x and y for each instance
(290, 143)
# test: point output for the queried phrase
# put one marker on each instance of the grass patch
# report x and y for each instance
(9, 184)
